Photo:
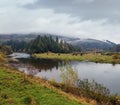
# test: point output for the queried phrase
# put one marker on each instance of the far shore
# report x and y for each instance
(91, 57)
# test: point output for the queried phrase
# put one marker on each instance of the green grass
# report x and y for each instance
(14, 90)
(86, 57)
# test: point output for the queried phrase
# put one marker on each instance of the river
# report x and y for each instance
(106, 74)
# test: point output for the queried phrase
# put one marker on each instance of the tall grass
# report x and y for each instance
(98, 58)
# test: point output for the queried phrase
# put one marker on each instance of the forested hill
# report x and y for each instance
(20, 41)
(47, 43)
(42, 44)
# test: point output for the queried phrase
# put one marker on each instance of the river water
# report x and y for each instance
(106, 74)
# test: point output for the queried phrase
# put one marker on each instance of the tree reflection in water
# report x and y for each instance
(42, 64)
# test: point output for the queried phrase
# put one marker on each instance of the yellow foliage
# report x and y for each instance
(2, 57)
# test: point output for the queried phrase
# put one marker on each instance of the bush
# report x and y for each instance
(77, 91)
(2, 57)
(69, 76)
(93, 86)
(90, 90)
(116, 56)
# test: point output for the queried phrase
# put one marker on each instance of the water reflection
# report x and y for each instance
(43, 64)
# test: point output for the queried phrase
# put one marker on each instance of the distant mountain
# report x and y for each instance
(83, 44)
(23, 37)
(20, 37)
(92, 44)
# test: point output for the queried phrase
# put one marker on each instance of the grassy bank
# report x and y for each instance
(17, 88)
(85, 57)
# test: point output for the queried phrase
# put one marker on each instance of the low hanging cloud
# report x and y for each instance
(76, 18)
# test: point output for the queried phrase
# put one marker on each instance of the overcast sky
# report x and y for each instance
(98, 19)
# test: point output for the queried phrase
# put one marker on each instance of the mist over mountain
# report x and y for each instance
(93, 44)
(83, 44)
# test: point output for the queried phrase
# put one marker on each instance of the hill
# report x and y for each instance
(83, 44)
(92, 44)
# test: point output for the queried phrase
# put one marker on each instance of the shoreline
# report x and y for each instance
(96, 58)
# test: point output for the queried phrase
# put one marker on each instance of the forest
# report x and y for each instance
(41, 44)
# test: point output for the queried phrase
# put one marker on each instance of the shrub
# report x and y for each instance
(1, 57)
(69, 76)
(93, 86)
(116, 56)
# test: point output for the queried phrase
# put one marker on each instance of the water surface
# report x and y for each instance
(106, 74)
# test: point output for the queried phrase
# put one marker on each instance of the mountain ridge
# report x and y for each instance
(85, 44)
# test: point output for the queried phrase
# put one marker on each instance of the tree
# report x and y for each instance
(47, 43)
(40, 44)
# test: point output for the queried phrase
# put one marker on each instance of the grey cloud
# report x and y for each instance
(85, 9)
(78, 18)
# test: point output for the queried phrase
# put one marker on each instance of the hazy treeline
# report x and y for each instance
(41, 44)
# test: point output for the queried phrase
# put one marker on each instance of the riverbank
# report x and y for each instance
(21, 89)
(18, 88)
(98, 58)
